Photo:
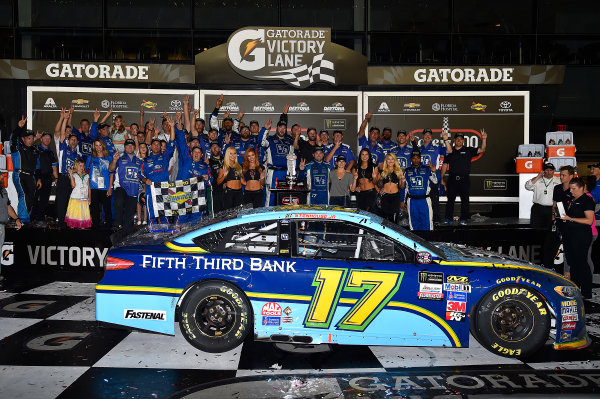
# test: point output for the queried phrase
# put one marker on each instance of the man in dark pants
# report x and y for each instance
(543, 188)
(45, 173)
(127, 184)
(562, 193)
(24, 156)
(69, 152)
(215, 162)
(459, 163)
(431, 152)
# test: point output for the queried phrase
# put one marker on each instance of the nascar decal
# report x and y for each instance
(205, 263)
(424, 257)
(379, 287)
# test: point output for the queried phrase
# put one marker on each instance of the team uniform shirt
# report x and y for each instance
(156, 167)
(128, 174)
(543, 190)
(107, 140)
(376, 151)
(596, 196)
(24, 158)
(242, 145)
(45, 163)
(85, 142)
(403, 153)
(344, 149)
(99, 174)
(459, 161)
(317, 177)
(276, 150)
(213, 121)
(432, 153)
(388, 146)
(417, 181)
(67, 157)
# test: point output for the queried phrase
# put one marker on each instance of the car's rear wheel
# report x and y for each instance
(215, 316)
(512, 321)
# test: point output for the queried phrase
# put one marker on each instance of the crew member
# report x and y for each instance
(405, 148)
(46, 172)
(417, 193)
(127, 184)
(459, 164)
(542, 186)
(433, 153)
(386, 143)
(69, 152)
(277, 148)
(372, 143)
(338, 148)
(24, 156)
(102, 131)
(316, 174)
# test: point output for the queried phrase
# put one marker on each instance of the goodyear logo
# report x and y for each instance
(478, 106)
(180, 198)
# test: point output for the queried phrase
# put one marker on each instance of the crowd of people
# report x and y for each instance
(567, 208)
(103, 171)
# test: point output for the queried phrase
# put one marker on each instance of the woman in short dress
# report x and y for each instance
(391, 182)
(230, 176)
(253, 179)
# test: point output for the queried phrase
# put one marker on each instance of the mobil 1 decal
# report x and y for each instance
(502, 116)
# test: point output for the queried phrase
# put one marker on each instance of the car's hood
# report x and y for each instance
(464, 253)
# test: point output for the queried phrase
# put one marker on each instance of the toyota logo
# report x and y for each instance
(505, 104)
(175, 103)
(436, 107)
(105, 104)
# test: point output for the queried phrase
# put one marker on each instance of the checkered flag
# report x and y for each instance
(181, 197)
(445, 123)
(303, 76)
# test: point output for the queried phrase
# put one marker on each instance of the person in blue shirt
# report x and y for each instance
(417, 193)
(244, 141)
(595, 189)
(316, 174)
(102, 131)
(46, 171)
(338, 148)
(101, 184)
(406, 145)
(386, 143)
(24, 156)
(228, 126)
(83, 135)
(372, 143)
(155, 168)
(277, 148)
(433, 153)
(127, 184)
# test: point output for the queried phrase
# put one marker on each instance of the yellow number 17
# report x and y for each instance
(380, 286)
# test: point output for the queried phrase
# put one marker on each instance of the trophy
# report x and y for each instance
(291, 176)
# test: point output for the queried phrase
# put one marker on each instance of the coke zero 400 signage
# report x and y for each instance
(297, 56)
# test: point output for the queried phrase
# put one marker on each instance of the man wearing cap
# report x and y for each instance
(338, 148)
(316, 174)
(127, 184)
(228, 126)
(386, 143)
(155, 168)
(372, 143)
(46, 172)
(405, 148)
(102, 131)
(542, 186)
(432, 153)
(24, 156)
(84, 138)
(215, 163)
(277, 148)
(245, 140)
(305, 148)
(458, 162)
(417, 193)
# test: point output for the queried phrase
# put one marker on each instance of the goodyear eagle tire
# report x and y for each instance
(512, 321)
(215, 316)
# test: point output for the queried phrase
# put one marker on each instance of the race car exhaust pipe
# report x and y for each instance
(302, 339)
(280, 338)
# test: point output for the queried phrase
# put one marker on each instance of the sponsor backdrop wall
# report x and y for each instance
(503, 115)
(44, 103)
(330, 110)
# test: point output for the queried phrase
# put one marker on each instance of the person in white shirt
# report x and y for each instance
(543, 187)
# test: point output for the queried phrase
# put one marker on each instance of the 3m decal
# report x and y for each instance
(456, 306)
(380, 287)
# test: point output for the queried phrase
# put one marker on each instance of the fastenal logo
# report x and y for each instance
(478, 106)
(412, 107)
(335, 107)
(436, 107)
(300, 107)
(149, 104)
(49, 103)
(383, 107)
(505, 106)
(264, 107)
(296, 56)
(145, 314)
(231, 106)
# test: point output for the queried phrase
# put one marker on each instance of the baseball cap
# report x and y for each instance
(27, 132)
(282, 123)
(46, 134)
(415, 153)
(401, 132)
(200, 119)
(459, 135)
(198, 147)
(215, 142)
(317, 148)
(340, 158)
(387, 128)
(103, 125)
(228, 119)
(155, 139)
(73, 135)
(594, 165)
(548, 165)
(129, 141)
(427, 131)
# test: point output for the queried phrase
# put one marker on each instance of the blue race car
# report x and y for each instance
(312, 275)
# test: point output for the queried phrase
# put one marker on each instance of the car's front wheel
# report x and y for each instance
(512, 321)
(215, 316)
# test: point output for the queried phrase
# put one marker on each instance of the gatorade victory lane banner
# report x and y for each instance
(329, 110)
(44, 104)
(503, 115)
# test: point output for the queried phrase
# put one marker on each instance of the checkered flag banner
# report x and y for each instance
(181, 197)
(303, 76)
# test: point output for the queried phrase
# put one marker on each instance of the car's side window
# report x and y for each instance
(253, 238)
(375, 246)
(326, 239)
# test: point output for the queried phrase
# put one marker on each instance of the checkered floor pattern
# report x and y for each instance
(52, 347)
